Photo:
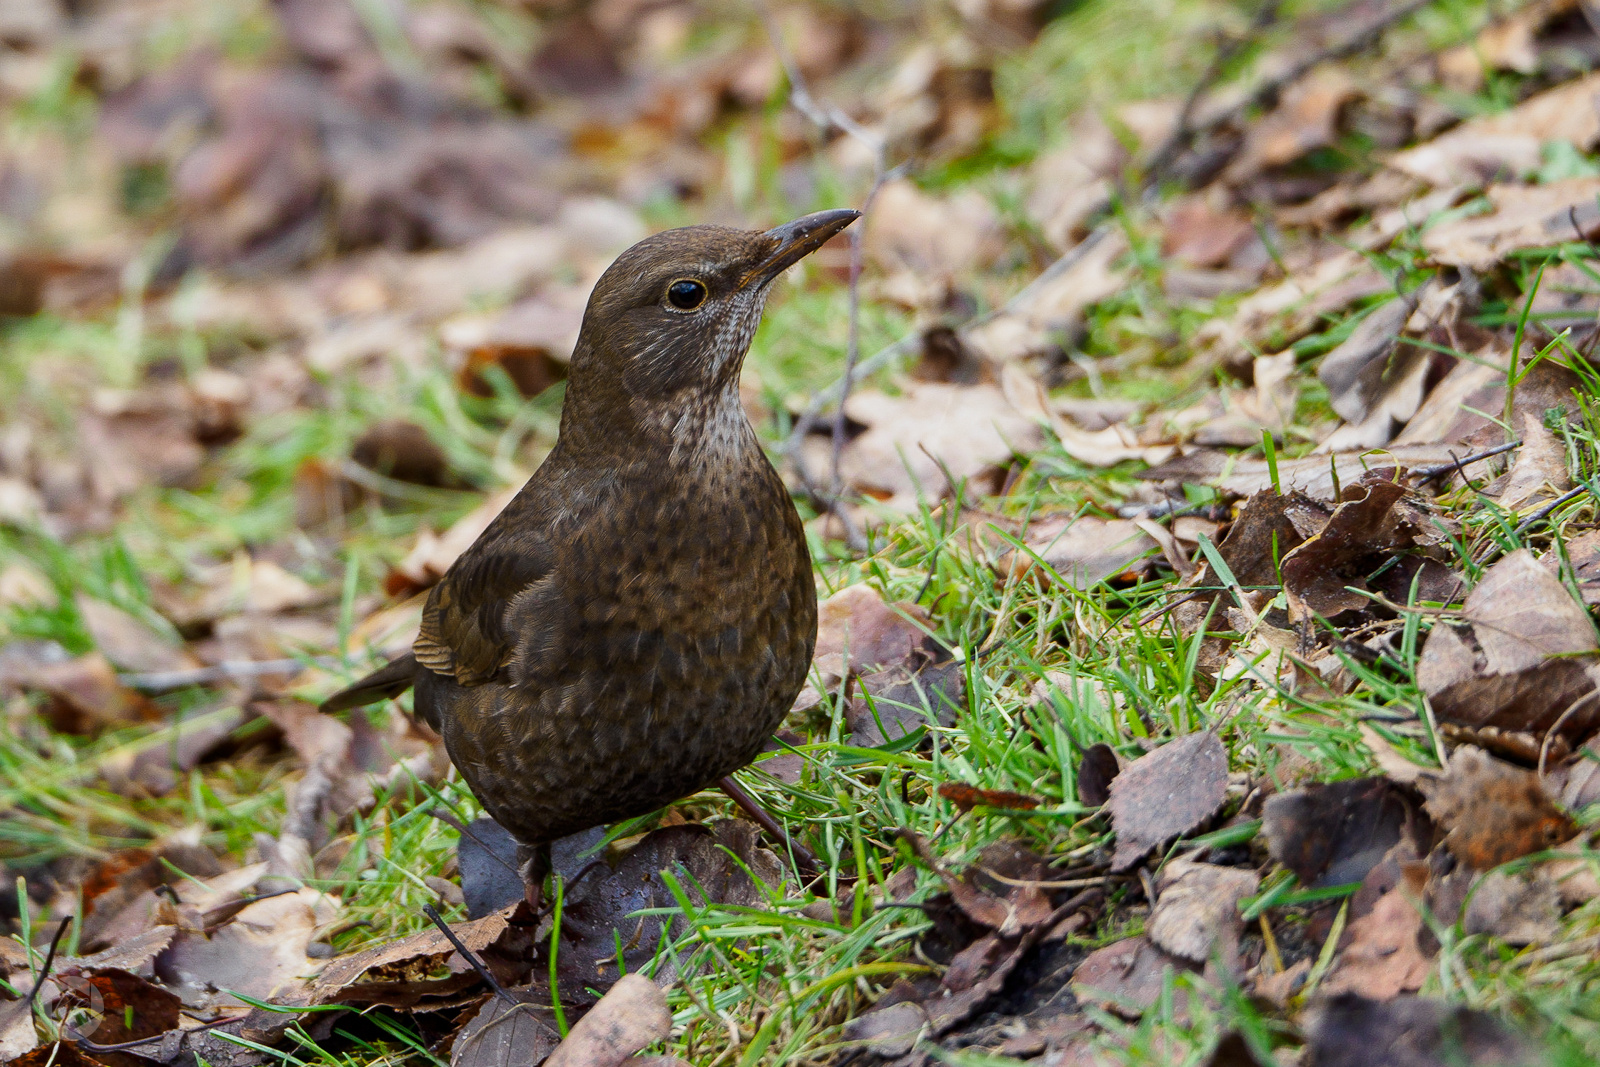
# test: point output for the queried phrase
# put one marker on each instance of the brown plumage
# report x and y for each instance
(636, 622)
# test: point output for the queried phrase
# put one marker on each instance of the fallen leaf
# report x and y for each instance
(1305, 119)
(1197, 912)
(632, 1015)
(1376, 518)
(1583, 553)
(128, 642)
(858, 630)
(85, 695)
(1523, 216)
(1507, 147)
(897, 703)
(1522, 672)
(1519, 909)
(402, 450)
(1540, 469)
(1381, 956)
(1096, 771)
(261, 953)
(1351, 1030)
(1493, 812)
(1081, 551)
(1165, 793)
(432, 555)
(503, 1034)
(966, 797)
(1127, 977)
(888, 1031)
(922, 445)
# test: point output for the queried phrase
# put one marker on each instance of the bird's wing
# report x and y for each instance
(463, 632)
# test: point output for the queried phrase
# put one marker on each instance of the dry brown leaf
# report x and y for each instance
(1519, 909)
(1039, 318)
(1492, 811)
(632, 1015)
(84, 693)
(432, 555)
(1523, 667)
(504, 1034)
(128, 642)
(1381, 957)
(261, 953)
(1126, 977)
(1305, 119)
(1081, 551)
(1197, 912)
(1523, 216)
(928, 244)
(1540, 469)
(857, 630)
(1361, 1029)
(1507, 146)
(1165, 793)
(1334, 834)
(916, 445)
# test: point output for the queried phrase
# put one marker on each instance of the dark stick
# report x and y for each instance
(802, 856)
(135, 1043)
(49, 961)
(1181, 133)
(1427, 474)
(468, 955)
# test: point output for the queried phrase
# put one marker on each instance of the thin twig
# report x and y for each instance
(136, 1042)
(226, 671)
(468, 955)
(1269, 88)
(1182, 134)
(1428, 474)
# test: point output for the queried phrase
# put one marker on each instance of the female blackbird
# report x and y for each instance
(636, 622)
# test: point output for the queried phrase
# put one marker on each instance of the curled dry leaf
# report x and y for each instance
(966, 797)
(1376, 518)
(1493, 812)
(1165, 793)
(1540, 470)
(1096, 771)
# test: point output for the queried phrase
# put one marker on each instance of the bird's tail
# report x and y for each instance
(387, 681)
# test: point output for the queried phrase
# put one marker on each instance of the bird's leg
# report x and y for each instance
(534, 866)
(803, 857)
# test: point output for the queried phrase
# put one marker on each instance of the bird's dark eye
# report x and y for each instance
(686, 294)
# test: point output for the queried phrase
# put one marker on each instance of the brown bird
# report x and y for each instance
(637, 621)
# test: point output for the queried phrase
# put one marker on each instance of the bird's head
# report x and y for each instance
(677, 311)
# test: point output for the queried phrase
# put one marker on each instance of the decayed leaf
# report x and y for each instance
(1522, 672)
(260, 954)
(1519, 909)
(507, 1034)
(1376, 518)
(1306, 119)
(632, 1015)
(1035, 324)
(1493, 812)
(1381, 957)
(926, 243)
(1166, 793)
(1334, 833)
(1096, 771)
(1583, 552)
(966, 797)
(890, 1030)
(1126, 977)
(85, 695)
(1197, 911)
(1357, 1029)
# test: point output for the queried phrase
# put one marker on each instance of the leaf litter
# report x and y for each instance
(1354, 493)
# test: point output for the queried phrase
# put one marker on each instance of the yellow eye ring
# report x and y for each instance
(686, 294)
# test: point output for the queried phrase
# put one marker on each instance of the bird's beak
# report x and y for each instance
(798, 239)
